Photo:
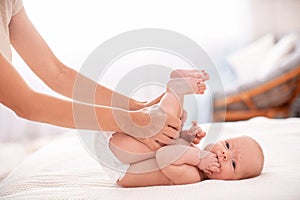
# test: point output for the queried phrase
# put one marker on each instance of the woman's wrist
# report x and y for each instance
(153, 101)
(140, 117)
(137, 105)
(132, 122)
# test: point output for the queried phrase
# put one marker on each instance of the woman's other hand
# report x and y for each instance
(154, 127)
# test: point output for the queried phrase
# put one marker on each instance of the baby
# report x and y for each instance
(131, 163)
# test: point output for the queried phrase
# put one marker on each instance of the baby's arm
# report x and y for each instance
(181, 163)
(178, 163)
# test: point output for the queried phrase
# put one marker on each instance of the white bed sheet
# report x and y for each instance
(64, 170)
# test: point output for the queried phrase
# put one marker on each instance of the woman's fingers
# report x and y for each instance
(155, 146)
(184, 116)
(173, 122)
(151, 143)
(171, 132)
(163, 139)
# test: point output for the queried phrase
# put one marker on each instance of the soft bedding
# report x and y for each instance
(65, 170)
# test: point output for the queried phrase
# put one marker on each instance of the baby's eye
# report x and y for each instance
(233, 164)
(227, 145)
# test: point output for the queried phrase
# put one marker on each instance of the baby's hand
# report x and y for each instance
(208, 162)
(194, 134)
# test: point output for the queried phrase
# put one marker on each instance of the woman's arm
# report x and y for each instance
(39, 57)
(36, 53)
(28, 104)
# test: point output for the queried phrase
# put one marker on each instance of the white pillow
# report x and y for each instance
(277, 54)
(247, 61)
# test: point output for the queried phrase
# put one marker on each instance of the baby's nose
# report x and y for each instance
(225, 155)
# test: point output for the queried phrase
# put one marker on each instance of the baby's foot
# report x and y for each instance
(187, 85)
(181, 73)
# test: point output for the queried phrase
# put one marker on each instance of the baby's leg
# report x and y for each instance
(144, 173)
(172, 101)
(128, 149)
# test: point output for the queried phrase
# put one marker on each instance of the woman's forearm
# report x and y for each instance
(51, 110)
(31, 105)
(37, 54)
(74, 85)
(91, 92)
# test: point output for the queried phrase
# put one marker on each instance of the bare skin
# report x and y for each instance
(145, 169)
(232, 159)
(128, 148)
(29, 104)
(239, 157)
(149, 168)
(183, 162)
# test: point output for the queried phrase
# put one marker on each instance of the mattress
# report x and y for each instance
(65, 170)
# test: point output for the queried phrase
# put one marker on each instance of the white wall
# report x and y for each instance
(274, 16)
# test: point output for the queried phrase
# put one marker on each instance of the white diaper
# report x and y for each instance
(113, 167)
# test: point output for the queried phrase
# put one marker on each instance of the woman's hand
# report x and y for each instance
(183, 117)
(152, 126)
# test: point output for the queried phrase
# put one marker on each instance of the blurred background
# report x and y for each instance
(73, 29)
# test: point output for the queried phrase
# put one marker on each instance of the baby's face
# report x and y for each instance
(239, 157)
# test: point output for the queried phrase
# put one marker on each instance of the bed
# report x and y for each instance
(63, 169)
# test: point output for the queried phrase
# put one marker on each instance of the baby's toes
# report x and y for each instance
(205, 75)
(201, 88)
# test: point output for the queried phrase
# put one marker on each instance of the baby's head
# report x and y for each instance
(239, 158)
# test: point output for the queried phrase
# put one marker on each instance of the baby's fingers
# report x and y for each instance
(194, 130)
(207, 172)
(197, 132)
(200, 133)
(195, 123)
(196, 140)
(215, 169)
(216, 164)
(198, 137)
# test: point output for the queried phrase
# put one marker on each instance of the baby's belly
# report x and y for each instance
(129, 150)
